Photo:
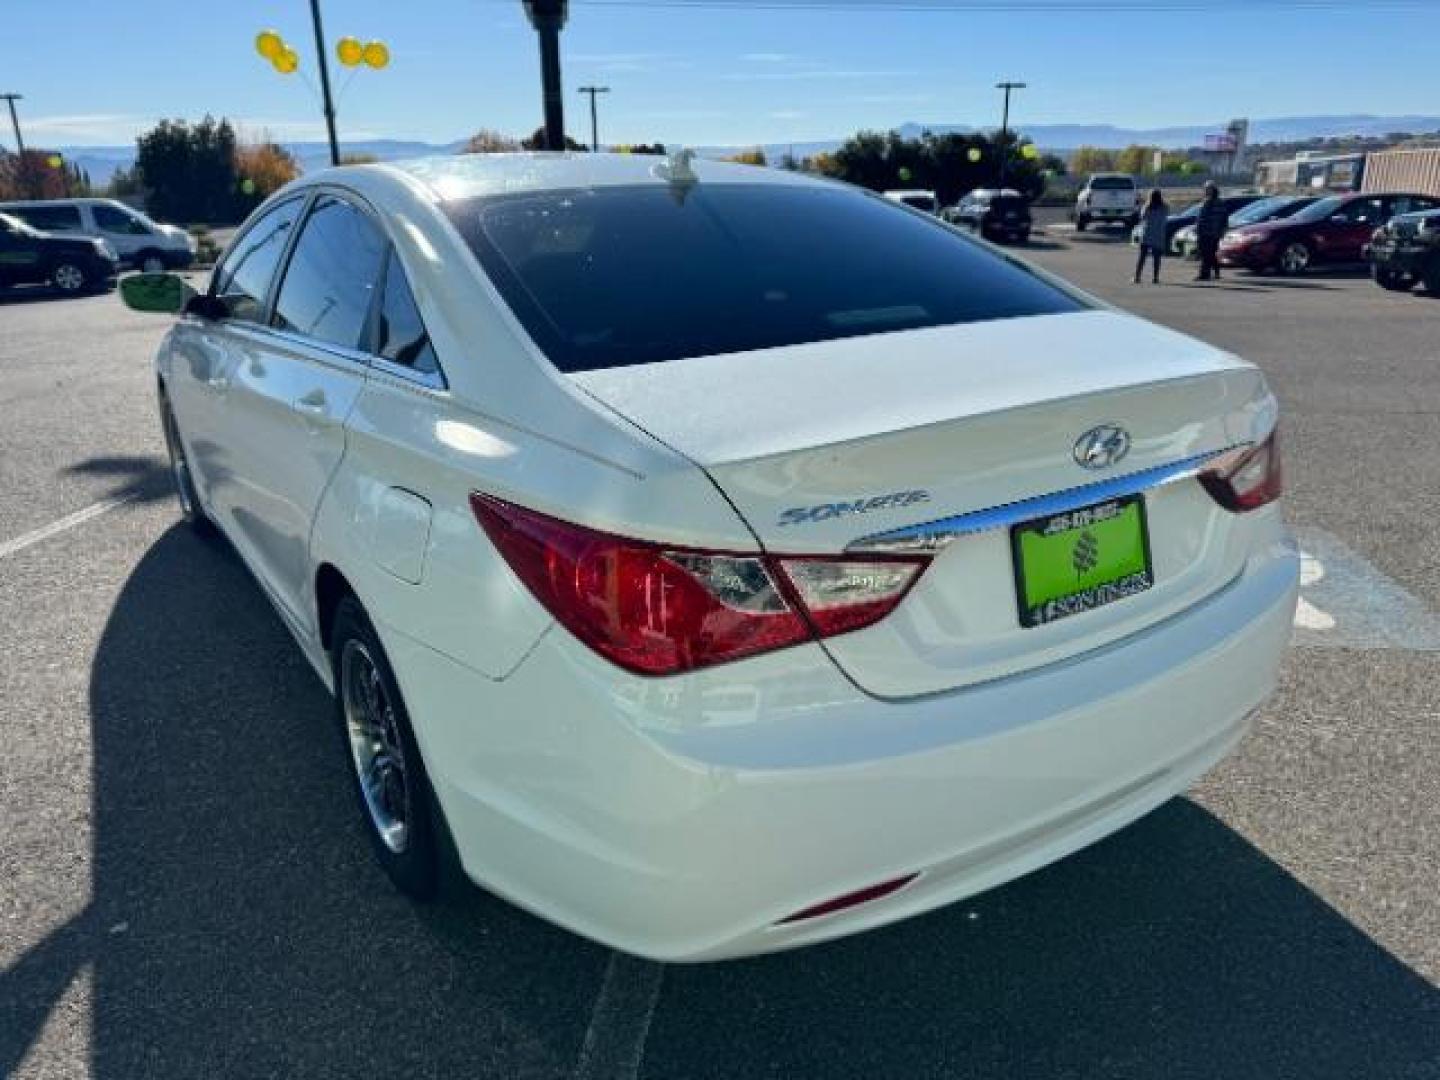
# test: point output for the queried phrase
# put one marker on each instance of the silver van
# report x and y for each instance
(138, 241)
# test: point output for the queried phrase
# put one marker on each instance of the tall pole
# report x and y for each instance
(1005, 125)
(325, 82)
(548, 17)
(594, 120)
(22, 167)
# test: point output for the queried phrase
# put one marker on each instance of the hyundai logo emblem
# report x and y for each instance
(1102, 446)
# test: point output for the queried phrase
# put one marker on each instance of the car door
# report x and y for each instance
(126, 233)
(1349, 230)
(20, 259)
(206, 353)
(294, 385)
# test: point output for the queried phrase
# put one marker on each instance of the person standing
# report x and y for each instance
(1210, 226)
(1153, 234)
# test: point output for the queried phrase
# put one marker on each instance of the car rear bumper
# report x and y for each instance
(684, 819)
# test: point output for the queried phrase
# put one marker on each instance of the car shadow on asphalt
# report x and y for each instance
(239, 927)
(31, 294)
(140, 477)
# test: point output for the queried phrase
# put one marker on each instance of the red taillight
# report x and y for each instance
(1246, 479)
(659, 610)
(849, 900)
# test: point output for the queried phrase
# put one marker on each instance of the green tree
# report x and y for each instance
(1136, 160)
(537, 142)
(188, 170)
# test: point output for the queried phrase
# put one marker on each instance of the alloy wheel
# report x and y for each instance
(376, 749)
(1295, 258)
(69, 277)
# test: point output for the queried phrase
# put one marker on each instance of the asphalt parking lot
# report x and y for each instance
(186, 891)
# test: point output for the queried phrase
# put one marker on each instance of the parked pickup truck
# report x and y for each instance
(1108, 198)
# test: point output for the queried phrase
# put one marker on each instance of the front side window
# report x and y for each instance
(637, 274)
(1365, 211)
(400, 336)
(327, 288)
(110, 220)
(242, 279)
(50, 218)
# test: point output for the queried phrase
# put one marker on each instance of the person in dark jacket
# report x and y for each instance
(1152, 234)
(1210, 226)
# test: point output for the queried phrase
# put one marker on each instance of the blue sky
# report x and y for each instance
(97, 72)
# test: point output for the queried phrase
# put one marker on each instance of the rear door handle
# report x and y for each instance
(314, 408)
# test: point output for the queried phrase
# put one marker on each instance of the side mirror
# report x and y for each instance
(163, 293)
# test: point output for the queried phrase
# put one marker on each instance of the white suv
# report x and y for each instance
(1111, 198)
(138, 241)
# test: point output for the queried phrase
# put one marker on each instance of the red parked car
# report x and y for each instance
(1333, 230)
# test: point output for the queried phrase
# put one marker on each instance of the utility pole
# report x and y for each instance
(548, 17)
(22, 166)
(594, 121)
(325, 81)
(1005, 125)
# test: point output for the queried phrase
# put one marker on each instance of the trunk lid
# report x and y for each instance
(820, 446)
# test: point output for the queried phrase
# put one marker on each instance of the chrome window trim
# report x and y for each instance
(430, 380)
(933, 536)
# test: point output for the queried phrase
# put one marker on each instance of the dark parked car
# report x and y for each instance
(1187, 216)
(1406, 249)
(1333, 230)
(72, 265)
(995, 215)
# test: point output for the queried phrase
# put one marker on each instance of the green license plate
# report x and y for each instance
(1081, 559)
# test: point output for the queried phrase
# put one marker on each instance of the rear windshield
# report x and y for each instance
(920, 202)
(1112, 183)
(1008, 202)
(614, 276)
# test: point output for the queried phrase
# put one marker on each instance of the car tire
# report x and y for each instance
(1294, 258)
(388, 776)
(70, 277)
(150, 262)
(1431, 276)
(1082, 223)
(181, 478)
(1391, 279)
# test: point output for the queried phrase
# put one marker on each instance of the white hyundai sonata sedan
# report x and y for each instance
(723, 559)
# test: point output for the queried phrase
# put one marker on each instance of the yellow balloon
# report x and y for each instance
(974, 154)
(1030, 151)
(55, 161)
(269, 44)
(350, 51)
(377, 54)
(286, 62)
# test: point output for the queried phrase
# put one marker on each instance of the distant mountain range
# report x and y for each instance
(102, 161)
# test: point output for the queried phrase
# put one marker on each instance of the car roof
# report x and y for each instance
(465, 176)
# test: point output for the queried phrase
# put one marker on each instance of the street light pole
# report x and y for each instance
(22, 168)
(594, 121)
(1005, 124)
(325, 82)
(548, 17)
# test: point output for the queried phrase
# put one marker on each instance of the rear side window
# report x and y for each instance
(108, 219)
(615, 276)
(242, 279)
(50, 218)
(327, 288)
(400, 336)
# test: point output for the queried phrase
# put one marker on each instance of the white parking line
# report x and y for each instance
(1346, 603)
(69, 521)
(620, 1021)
